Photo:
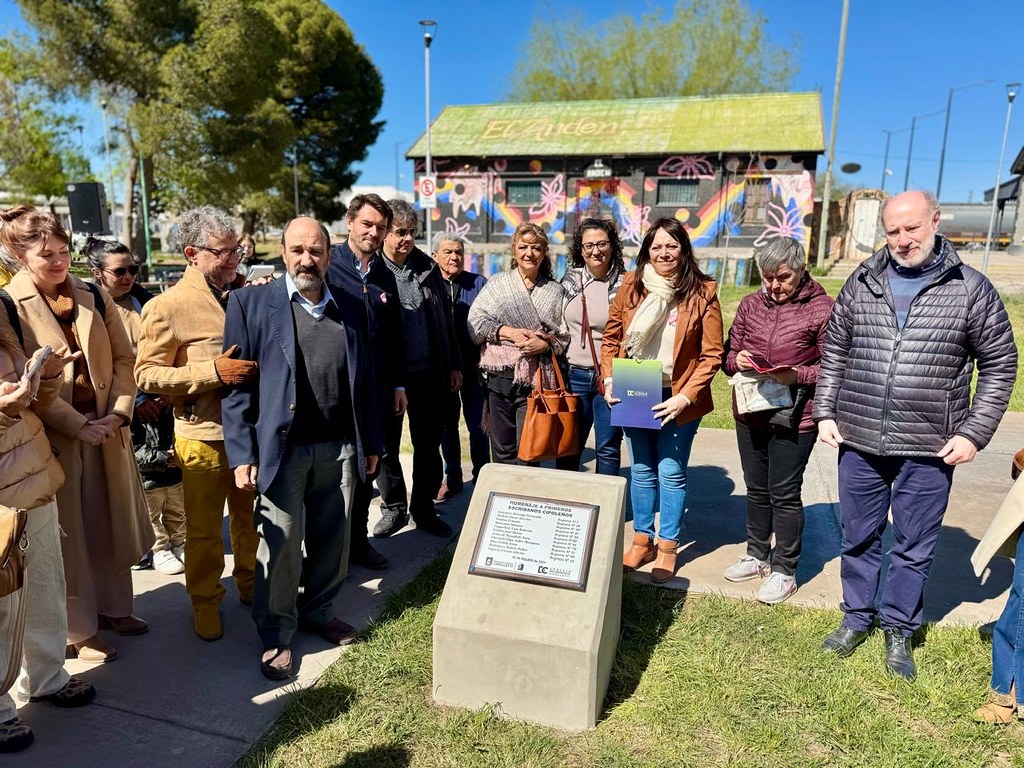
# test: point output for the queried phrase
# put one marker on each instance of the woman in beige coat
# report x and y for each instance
(29, 477)
(87, 425)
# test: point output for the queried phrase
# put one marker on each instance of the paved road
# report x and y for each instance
(174, 700)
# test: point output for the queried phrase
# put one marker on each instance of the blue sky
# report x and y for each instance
(902, 56)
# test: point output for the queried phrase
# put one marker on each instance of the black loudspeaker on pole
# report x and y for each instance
(87, 202)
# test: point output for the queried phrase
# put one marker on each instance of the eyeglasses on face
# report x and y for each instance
(132, 270)
(223, 253)
(403, 232)
(591, 247)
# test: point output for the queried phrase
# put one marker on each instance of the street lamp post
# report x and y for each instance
(1012, 89)
(429, 27)
(885, 161)
(827, 192)
(295, 176)
(110, 172)
(910, 146)
(945, 132)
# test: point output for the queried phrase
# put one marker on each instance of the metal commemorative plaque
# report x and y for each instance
(528, 538)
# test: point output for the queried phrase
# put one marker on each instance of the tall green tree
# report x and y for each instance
(37, 151)
(699, 48)
(215, 96)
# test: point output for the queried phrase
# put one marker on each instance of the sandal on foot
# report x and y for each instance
(75, 693)
(14, 735)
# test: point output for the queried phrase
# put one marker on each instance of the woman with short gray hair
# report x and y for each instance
(778, 334)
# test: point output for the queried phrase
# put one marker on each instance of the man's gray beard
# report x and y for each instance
(305, 281)
(924, 258)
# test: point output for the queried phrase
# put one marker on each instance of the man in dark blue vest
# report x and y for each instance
(301, 438)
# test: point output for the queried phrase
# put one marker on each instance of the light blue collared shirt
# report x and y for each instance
(316, 310)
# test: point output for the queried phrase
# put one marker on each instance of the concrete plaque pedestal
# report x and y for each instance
(534, 652)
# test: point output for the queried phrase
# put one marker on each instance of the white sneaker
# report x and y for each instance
(165, 562)
(777, 589)
(747, 568)
(179, 553)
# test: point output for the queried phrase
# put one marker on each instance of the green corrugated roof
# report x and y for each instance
(766, 122)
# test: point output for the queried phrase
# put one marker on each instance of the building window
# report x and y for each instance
(523, 193)
(676, 192)
(757, 194)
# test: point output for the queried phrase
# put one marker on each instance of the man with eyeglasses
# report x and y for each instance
(180, 356)
(433, 368)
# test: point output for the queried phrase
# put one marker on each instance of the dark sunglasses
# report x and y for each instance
(133, 270)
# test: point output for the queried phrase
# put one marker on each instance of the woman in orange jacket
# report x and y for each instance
(667, 310)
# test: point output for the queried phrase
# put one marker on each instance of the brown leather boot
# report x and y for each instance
(641, 551)
(665, 565)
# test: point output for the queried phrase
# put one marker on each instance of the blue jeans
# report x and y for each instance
(1008, 635)
(659, 459)
(594, 413)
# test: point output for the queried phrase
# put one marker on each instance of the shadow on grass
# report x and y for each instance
(421, 591)
(378, 757)
(307, 712)
(647, 614)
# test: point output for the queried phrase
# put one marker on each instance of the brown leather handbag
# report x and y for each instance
(1018, 464)
(12, 549)
(13, 544)
(550, 427)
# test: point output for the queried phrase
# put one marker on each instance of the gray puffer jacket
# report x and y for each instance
(905, 392)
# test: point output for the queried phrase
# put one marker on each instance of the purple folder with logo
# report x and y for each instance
(638, 384)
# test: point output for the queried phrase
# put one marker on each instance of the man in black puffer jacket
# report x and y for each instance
(894, 395)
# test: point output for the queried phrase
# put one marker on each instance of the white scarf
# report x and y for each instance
(650, 314)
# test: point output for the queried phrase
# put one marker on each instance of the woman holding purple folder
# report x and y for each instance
(667, 310)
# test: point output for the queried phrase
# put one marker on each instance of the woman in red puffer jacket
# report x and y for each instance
(782, 324)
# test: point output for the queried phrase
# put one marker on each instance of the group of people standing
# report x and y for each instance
(285, 402)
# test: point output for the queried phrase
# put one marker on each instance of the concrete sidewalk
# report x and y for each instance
(171, 699)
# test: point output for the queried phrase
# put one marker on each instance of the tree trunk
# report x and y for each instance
(129, 197)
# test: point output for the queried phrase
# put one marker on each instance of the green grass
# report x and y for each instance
(697, 681)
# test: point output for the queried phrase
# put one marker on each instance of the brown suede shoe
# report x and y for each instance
(665, 565)
(206, 622)
(1000, 709)
(92, 650)
(641, 551)
(124, 625)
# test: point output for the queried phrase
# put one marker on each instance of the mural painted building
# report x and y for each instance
(737, 170)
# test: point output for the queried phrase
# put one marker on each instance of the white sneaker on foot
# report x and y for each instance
(179, 552)
(777, 589)
(747, 568)
(165, 562)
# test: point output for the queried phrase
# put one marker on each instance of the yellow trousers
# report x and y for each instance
(208, 481)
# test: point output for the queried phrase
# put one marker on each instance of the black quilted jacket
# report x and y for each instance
(905, 393)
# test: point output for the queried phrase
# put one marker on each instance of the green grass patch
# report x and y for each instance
(698, 681)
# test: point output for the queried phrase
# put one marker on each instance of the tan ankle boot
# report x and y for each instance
(640, 552)
(665, 566)
(1000, 709)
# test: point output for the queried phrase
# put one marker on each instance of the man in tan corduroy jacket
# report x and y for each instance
(180, 356)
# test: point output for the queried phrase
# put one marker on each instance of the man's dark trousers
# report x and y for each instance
(427, 406)
(310, 497)
(917, 487)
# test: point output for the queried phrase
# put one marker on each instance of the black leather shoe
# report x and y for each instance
(434, 525)
(276, 663)
(899, 657)
(390, 523)
(844, 641)
(369, 558)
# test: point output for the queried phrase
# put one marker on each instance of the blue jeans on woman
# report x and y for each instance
(594, 412)
(659, 460)
(1008, 636)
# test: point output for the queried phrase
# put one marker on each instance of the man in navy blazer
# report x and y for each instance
(299, 437)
